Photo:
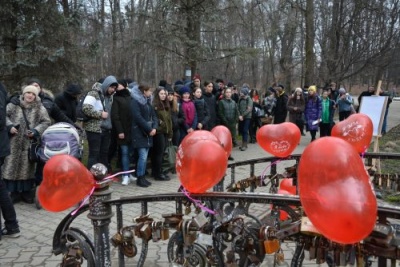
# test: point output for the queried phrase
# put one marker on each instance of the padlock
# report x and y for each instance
(342, 258)
(336, 256)
(308, 227)
(205, 239)
(188, 209)
(313, 249)
(200, 220)
(320, 254)
(155, 234)
(143, 218)
(164, 232)
(197, 210)
(188, 236)
(271, 243)
(145, 232)
(280, 257)
(261, 240)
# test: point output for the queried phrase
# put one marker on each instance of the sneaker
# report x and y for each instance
(125, 180)
(14, 233)
(132, 178)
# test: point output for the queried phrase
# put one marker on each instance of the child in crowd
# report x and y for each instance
(188, 109)
(201, 109)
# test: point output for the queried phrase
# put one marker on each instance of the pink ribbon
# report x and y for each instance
(97, 184)
(266, 168)
(196, 202)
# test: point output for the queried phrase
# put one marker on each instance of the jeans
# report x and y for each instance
(325, 129)
(384, 124)
(244, 126)
(157, 153)
(99, 144)
(125, 157)
(7, 207)
(344, 115)
(141, 161)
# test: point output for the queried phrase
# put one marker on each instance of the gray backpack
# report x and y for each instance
(60, 138)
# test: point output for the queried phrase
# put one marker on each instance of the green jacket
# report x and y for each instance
(228, 111)
(164, 122)
(245, 107)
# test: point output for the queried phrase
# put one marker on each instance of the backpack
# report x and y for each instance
(60, 138)
(80, 115)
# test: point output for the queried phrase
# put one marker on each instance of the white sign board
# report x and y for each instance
(374, 107)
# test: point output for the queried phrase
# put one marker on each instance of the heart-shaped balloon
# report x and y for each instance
(224, 136)
(200, 164)
(356, 129)
(66, 181)
(335, 190)
(279, 140)
(199, 135)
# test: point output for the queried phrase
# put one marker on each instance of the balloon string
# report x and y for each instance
(266, 168)
(105, 180)
(112, 177)
(196, 202)
(83, 201)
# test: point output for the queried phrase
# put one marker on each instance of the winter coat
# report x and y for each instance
(203, 113)
(67, 101)
(164, 122)
(108, 99)
(344, 104)
(93, 106)
(121, 116)
(144, 120)
(17, 165)
(331, 110)
(184, 125)
(312, 112)
(4, 140)
(245, 107)
(228, 112)
(280, 109)
(211, 101)
(269, 105)
(298, 113)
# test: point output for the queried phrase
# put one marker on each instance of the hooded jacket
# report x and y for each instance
(108, 99)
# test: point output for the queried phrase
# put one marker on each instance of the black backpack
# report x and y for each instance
(80, 115)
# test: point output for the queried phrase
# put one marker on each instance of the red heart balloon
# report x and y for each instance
(66, 181)
(199, 135)
(200, 164)
(279, 140)
(224, 136)
(335, 190)
(287, 185)
(356, 129)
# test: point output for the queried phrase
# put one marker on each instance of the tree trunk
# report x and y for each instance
(309, 46)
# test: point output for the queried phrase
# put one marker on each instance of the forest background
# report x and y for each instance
(292, 42)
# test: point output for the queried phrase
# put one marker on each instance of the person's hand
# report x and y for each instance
(153, 132)
(200, 126)
(13, 130)
(104, 115)
(295, 108)
(121, 136)
(241, 118)
(189, 130)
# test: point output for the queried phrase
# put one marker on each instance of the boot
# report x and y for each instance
(140, 182)
(147, 182)
(244, 146)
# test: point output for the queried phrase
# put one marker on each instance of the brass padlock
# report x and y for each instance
(188, 237)
(280, 257)
(164, 232)
(145, 232)
(155, 234)
(143, 218)
(188, 209)
(271, 243)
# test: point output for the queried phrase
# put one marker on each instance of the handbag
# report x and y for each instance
(169, 157)
(34, 145)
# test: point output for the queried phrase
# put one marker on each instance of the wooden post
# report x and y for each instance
(376, 163)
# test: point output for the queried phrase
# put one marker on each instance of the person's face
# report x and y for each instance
(196, 82)
(162, 94)
(325, 94)
(147, 93)
(29, 97)
(228, 93)
(221, 85)
(197, 93)
(186, 96)
(311, 92)
(111, 89)
(209, 88)
(298, 93)
(371, 89)
(170, 97)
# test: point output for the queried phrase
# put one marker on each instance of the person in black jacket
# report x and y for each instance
(203, 114)
(68, 100)
(11, 228)
(211, 102)
(281, 105)
(177, 117)
(121, 119)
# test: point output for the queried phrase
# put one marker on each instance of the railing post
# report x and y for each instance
(100, 214)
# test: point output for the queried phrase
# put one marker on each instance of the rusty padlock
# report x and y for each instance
(164, 232)
(280, 257)
(143, 218)
(271, 243)
(188, 237)
(145, 232)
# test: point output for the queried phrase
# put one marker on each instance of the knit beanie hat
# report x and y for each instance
(298, 89)
(342, 90)
(34, 80)
(31, 89)
(244, 90)
(183, 90)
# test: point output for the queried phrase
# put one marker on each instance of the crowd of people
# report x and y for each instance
(135, 123)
